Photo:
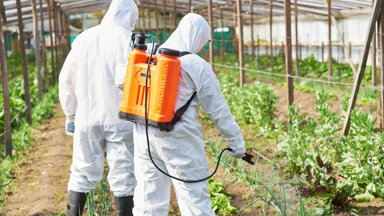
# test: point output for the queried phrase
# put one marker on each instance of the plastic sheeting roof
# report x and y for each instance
(260, 7)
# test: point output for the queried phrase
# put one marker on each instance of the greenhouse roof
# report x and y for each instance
(260, 7)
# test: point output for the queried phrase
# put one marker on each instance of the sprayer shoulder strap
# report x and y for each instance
(182, 110)
(184, 53)
(179, 113)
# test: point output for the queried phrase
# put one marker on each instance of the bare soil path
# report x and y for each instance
(42, 176)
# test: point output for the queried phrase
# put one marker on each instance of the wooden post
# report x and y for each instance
(322, 51)
(223, 48)
(288, 55)
(67, 25)
(37, 49)
(174, 15)
(373, 56)
(165, 20)
(142, 14)
(189, 6)
(300, 50)
(52, 44)
(157, 23)
(149, 18)
(307, 45)
(55, 16)
(59, 50)
(282, 50)
(350, 50)
(381, 66)
(270, 32)
(341, 36)
(27, 96)
(138, 26)
(66, 34)
(258, 51)
(61, 35)
(235, 42)
(241, 42)
(2, 12)
(362, 65)
(297, 40)
(210, 21)
(252, 36)
(329, 39)
(5, 88)
(44, 57)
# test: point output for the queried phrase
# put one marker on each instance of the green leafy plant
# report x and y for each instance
(221, 203)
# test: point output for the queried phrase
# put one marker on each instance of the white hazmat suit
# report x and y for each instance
(87, 90)
(180, 152)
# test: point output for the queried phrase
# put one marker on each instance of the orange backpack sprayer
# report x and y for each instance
(163, 77)
(150, 93)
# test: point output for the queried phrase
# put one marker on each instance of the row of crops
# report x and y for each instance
(311, 152)
(21, 131)
(313, 75)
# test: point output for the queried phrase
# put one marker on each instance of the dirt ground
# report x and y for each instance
(42, 176)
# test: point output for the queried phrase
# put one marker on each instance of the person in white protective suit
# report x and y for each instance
(90, 100)
(180, 152)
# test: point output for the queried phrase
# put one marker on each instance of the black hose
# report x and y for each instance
(146, 131)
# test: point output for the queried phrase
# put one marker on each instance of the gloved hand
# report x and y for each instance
(70, 125)
(237, 153)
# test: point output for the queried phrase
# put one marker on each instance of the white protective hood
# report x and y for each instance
(191, 35)
(123, 13)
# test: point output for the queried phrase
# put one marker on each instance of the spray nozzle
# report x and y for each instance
(248, 158)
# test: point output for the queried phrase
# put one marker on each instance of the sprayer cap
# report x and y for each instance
(170, 52)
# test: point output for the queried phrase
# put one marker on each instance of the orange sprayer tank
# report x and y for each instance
(162, 87)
